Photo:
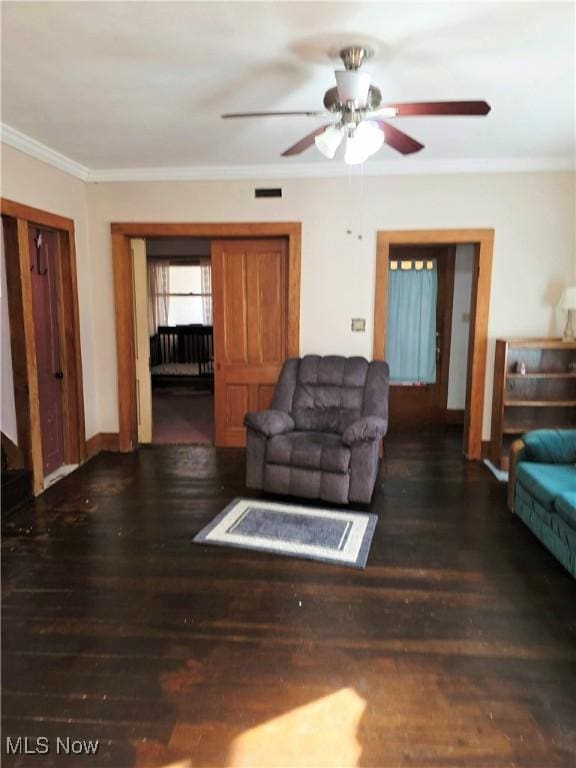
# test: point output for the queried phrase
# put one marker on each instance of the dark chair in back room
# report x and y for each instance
(321, 437)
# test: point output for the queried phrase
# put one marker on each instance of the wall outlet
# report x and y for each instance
(358, 324)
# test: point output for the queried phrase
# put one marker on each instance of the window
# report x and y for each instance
(190, 294)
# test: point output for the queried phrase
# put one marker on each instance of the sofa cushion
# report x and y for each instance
(565, 505)
(546, 481)
(309, 450)
(329, 393)
(551, 446)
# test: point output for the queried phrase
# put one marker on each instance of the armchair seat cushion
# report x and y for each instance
(546, 481)
(309, 450)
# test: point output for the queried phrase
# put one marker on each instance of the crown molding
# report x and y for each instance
(333, 169)
(411, 165)
(36, 149)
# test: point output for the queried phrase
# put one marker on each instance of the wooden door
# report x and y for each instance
(43, 256)
(425, 404)
(250, 306)
(142, 346)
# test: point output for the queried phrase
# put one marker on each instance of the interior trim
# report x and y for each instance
(483, 241)
(16, 219)
(122, 233)
(101, 441)
(40, 151)
(402, 166)
(289, 170)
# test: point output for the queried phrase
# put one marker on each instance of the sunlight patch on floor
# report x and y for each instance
(321, 733)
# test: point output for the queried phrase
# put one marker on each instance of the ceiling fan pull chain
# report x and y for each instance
(361, 204)
(350, 202)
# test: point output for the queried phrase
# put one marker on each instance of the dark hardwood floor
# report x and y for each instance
(455, 647)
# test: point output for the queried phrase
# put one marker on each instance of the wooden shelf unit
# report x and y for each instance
(543, 397)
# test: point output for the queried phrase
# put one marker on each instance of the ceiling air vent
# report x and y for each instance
(268, 192)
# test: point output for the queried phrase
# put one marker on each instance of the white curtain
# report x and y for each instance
(411, 328)
(206, 286)
(158, 290)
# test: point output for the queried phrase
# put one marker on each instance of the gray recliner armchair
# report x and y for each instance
(321, 437)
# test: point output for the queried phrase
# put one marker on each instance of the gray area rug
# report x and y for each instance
(328, 535)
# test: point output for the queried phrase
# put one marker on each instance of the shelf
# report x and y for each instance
(539, 403)
(530, 428)
(542, 375)
(544, 397)
(539, 343)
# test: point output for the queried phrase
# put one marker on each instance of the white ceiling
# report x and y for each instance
(142, 84)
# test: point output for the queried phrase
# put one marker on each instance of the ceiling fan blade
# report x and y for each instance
(302, 113)
(424, 108)
(398, 140)
(304, 143)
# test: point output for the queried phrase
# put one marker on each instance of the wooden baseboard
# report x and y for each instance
(102, 441)
(454, 416)
(14, 455)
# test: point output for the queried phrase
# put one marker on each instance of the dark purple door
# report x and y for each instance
(44, 301)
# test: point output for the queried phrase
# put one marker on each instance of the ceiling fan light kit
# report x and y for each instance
(329, 141)
(355, 107)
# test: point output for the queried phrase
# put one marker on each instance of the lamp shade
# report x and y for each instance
(353, 86)
(568, 300)
(329, 141)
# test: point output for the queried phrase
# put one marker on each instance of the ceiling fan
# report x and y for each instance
(357, 113)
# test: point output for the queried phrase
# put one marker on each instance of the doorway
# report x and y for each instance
(174, 340)
(43, 313)
(481, 241)
(250, 342)
(43, 276)
(419, 330)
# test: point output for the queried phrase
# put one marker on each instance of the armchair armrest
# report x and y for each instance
(269, 423)
(517, 453)
(365, 429)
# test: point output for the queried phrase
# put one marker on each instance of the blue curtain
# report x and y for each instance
(411, 328)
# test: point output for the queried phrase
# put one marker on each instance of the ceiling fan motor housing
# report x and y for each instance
(355, 55)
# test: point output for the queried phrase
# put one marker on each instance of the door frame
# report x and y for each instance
(16, 219)
(483, 241)
(122, 233)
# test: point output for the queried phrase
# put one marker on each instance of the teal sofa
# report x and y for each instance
(542, 489)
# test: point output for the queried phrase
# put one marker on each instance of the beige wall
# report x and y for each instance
(533, 215)
(29, 181)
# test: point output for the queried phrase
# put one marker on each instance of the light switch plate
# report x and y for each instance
(358, 324)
